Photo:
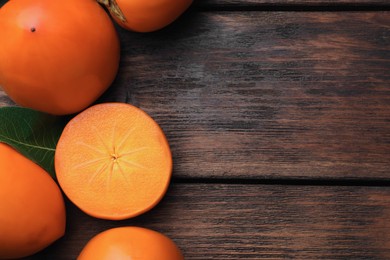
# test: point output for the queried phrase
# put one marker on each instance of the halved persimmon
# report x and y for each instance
(113, 161)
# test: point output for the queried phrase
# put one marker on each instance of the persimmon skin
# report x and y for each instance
(57, 56)
(32, 207)
(149, 16)
(130, 243)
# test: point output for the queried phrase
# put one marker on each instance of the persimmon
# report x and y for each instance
(32, 207)
(130, 243)
(57, 56)
(146, 16)
(113, 161)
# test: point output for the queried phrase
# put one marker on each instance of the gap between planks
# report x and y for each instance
(290, 6)
(286, 181)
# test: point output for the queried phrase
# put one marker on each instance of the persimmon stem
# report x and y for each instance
(104, 2)
(114, 9)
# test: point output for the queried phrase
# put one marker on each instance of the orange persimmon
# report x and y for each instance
(130, 243)
(32, 210)
(57, 56)
(113, 161)
(146, 16)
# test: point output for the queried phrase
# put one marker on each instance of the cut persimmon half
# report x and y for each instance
(113, 161)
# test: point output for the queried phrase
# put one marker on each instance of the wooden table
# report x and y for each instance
(278, 116)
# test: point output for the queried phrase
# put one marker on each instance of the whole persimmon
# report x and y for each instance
(57, 56)
(130, 243)
(31, 204)
(146, 16)
(113, 161)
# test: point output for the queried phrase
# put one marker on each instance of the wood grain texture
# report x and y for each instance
(254, 96)
(266, 94)
(289, 3)
(248, 4)
(217, 221)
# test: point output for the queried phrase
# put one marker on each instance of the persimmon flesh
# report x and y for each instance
(113, 161)
(57, 56)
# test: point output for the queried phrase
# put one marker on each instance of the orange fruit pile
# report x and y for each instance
(113, 160)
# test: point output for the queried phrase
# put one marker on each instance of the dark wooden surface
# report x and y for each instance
(278, 115)
(289, 5)
(267, 94)
(250, 221)
(290, 2)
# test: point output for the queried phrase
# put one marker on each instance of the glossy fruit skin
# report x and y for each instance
(57, 56)
(130, 243)
(149, 16)
(32, 207)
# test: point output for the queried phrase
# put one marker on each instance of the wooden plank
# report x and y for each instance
(266, 94)
(274, 3)
(248, 4)
(217, 221)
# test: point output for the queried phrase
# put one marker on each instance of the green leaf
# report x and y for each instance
(34, 134)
